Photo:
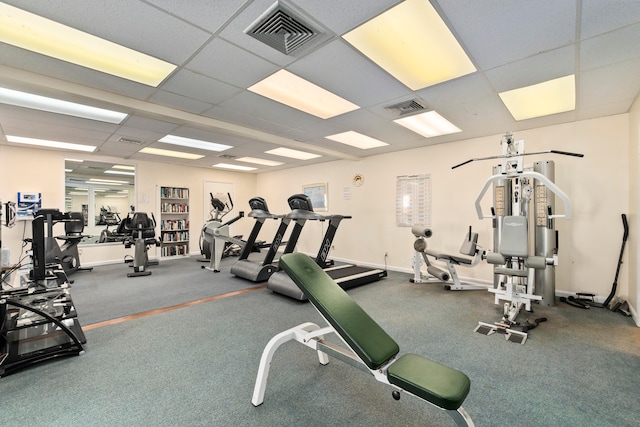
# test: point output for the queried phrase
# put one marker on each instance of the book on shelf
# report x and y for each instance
(174, 193)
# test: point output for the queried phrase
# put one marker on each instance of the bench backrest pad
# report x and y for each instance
(367, 339)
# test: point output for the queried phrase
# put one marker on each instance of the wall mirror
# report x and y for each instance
(103, 192)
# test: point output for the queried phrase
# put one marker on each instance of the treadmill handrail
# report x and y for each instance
(259, 213)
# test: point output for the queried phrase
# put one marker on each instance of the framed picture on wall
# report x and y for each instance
(318, 194)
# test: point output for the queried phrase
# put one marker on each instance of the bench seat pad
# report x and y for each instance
(443, 386)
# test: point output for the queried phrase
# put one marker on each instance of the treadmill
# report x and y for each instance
(260, 271)
(345, 275)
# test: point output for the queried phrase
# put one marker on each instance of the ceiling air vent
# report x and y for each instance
(131, 141)
(406, 107)
(227, 156)
(283, 30)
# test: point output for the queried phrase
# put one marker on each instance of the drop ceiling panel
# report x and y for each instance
(244, 118)
(599, 17)
(370, 124)
(261, 108)
(180, 102)
(597, 51)
(138, 26)
(463, 89)
(199, 87)
(43, 118)
(616, 84)
(496, 32)
(56, 132)
(513, 44)
(222, 61)
(118, 149)
(36, 63)
(362, 82)
(533, 70)
(208, 15)
(341, 16)
(145, 124)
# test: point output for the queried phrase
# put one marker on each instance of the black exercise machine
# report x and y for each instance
(140, 230)
(346, 275)
(39, 322)
(260, 271)
(67, 255)
(73, 235)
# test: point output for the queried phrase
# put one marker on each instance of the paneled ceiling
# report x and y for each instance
(512, 44)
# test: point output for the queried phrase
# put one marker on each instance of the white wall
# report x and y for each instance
(600, 187)
(38, 170)
(596, 184)
(633, 245)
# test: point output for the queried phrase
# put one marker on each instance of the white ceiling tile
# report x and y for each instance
(615, 84)
(496, 32)
(207, 14)
(138, 26)
(341, 16)
(513, 43)
(362, 82)
(598, 51)
(179, 102)
(534, 69)
(599, 17)
(224, 62)
(197, 86)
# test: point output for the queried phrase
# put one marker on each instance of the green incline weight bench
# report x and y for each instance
(368, 346)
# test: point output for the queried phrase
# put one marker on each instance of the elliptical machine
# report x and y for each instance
(141, 234)
(215, 241)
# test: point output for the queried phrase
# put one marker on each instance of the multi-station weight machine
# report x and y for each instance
(525, 242)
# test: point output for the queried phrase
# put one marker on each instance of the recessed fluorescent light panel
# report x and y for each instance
(170, 153)
(124, 167)
(194, 143)
(412, 43)
(53, 105)
(357, 140)
(50, 144)
(117, 172)
(109, 181)
(298, 93)
(542, 99)
(44, 36)
(257, 161)
(233, 167)
(293, 154)
(428, 124)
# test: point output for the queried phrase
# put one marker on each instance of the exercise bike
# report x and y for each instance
(140, 230)
(66, 255)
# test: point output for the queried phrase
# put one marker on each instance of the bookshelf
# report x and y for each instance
(174, 221)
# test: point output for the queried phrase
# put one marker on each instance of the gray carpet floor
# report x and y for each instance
(197, 365)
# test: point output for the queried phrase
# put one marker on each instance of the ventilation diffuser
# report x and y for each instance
(131, 141)
(282, 29)
(406, 107)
